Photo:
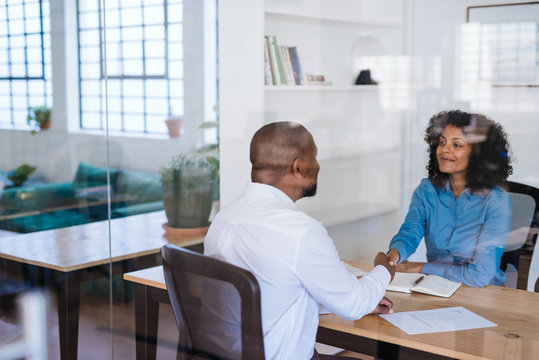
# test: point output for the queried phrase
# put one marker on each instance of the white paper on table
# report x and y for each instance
(437, 320)
(354, 270)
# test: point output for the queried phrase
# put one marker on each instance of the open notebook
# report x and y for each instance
(426, 284)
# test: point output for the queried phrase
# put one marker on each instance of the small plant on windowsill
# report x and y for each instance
(39, 117)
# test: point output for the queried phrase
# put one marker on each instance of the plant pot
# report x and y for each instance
(45, 125)
(174, 125)
(187, 206)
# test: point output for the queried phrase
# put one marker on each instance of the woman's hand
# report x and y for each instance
(410, 267)
(394, 256)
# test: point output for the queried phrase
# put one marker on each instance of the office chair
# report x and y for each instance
(216, 306)
(525, 215)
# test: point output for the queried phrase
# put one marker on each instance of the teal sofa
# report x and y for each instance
(59, 204)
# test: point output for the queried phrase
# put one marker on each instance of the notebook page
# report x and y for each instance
(436, 285)
(402, 282)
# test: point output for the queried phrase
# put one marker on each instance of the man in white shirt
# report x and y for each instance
(291, 254)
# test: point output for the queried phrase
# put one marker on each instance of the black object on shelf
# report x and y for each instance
(364, 78)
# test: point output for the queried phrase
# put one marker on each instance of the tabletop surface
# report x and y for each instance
(82, 246)
(516, 312)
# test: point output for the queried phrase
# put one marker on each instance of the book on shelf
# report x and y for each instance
(426, 284)
(268, 79)
(296, 65)
(282, 63)
(276, 61)
(287, 65)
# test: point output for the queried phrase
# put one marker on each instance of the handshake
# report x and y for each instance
(389, 261)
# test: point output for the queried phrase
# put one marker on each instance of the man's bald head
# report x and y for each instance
(275, 146)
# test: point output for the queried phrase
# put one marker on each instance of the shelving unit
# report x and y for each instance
(358, 141)
(359, 88)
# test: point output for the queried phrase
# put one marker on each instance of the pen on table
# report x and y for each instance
(418, 281)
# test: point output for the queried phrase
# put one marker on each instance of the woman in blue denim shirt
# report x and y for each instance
(461, 209)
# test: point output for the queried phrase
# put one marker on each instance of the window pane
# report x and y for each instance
(155, 48)
(134, 122)
(155, 32)
(89, 37)
(89, 5)
(155, 67)
(154, 15)
(133, 105)
(132, 50)
(156, 124)
(133, 88)
(114, 121)
(32, 10)
(91, 120)
(136, 51)
(175, 13)
(158, 106)
(133, 67)
(156, 88)
(132, 16)
(132, 33)
(175, 70)
(114, 104)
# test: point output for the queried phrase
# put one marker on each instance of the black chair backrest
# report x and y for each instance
(525, 215)
(524, 199)
(216, 306)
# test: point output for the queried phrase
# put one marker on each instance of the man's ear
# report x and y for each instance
(297, 168)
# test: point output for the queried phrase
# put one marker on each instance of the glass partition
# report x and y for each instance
(110, 123)
(100, 99)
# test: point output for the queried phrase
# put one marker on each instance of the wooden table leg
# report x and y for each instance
(146, 319)
(68, 290)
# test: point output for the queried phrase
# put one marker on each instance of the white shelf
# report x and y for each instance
(344, 18)
(280, 88)
(351, 212)
(336, 152)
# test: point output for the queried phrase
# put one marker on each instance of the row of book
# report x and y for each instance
(283, 67)
(282, 64)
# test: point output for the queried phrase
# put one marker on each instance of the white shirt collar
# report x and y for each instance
(269, 191)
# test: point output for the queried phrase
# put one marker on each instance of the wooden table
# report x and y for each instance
(68, 251)
(515, 311)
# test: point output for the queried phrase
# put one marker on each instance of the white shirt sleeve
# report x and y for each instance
(325, 277)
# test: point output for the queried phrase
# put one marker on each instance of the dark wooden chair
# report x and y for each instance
(216, 306)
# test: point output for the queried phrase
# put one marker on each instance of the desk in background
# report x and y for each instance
(515, 311)
(68, 251)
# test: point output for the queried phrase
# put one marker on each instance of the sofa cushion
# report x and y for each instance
(38, 196)
(145, 186)
(45, 221)
(90, 176)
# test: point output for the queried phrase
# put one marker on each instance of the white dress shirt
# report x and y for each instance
(296, 265)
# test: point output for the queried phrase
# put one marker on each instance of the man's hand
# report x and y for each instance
(382, 259)
(393, 256)
(385, 306)
(410, 267)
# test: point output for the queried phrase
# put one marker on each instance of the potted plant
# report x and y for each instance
(187, 186)
(39, 117)
(19, 176)
(211, 152)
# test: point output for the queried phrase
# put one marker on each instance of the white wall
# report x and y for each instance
(241, 89)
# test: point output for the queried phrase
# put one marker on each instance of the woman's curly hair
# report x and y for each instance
(490, 160)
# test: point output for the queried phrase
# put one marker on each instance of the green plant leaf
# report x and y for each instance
(208, 125)
(206, 148)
